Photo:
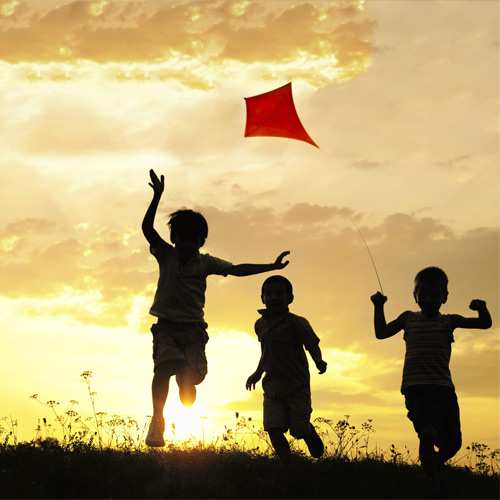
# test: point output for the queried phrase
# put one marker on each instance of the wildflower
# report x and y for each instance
(86, 375)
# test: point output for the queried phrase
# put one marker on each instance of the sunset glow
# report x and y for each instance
(402, 98)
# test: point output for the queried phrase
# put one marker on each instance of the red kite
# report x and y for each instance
(273, 114)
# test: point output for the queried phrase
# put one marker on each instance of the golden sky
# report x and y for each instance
(402, 98)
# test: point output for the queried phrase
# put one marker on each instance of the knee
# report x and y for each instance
(276, 433)
(197, 378)
(185, 375)
(428, 433)
(166, 370)
(162, 375)
(298, 431)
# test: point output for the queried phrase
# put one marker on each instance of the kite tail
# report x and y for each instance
(371, 258)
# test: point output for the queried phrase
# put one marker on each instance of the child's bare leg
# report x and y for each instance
(450, 439)
(280, 444)
(314, 443)
(159, 389)
(192, 372)
(187, 389)
(427, 454)
(449, 449)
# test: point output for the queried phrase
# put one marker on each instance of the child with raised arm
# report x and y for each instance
(287, 393)
(179, 335)
(427, 385)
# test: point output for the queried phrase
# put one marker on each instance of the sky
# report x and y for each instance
(402, 99)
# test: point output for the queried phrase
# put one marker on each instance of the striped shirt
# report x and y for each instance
(428, 350)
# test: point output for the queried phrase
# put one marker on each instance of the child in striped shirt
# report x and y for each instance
(427, 385)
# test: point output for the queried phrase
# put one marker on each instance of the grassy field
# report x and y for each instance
(103, 456)
(47, 470)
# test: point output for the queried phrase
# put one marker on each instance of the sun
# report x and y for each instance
(184, 423)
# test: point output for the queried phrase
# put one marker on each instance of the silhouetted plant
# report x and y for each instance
(343, 440)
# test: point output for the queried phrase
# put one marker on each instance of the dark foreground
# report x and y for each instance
(32, 472)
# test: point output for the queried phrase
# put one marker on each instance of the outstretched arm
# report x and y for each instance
(249, 269)
(482, 321)
(148, 229)
(384, 330)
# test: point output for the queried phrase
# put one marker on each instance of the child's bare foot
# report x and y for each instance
(280, 445)
(187, 393)
(187, 390)
(155, 432)
(314, 444)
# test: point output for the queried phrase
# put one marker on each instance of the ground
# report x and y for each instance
(29, 471)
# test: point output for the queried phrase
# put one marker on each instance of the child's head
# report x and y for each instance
(188, 230)
(277, 293)
(431, 289)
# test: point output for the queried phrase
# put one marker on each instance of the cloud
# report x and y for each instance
(92, 276)
(13, 235)
(70, 127)
(309, 214)
(213, 33)
(330, 268)
(475, 363)
(455, 162)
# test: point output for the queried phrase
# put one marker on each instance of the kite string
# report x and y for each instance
(371, 257)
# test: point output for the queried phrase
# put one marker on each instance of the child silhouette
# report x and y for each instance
(179, 335)
(427, 385)
(287, 393)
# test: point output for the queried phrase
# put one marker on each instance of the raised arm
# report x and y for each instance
(384, 330)
(483, 320)
(249, 269)
(148, 229)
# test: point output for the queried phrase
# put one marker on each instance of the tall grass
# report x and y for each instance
(68, 429)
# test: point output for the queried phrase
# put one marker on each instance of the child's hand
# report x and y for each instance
(477, 304)
(321, 366)
(158, 185)
(278, 264)
(252, 380)
(378, 299)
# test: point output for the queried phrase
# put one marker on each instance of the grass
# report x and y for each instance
(51, 471)
(103, 456)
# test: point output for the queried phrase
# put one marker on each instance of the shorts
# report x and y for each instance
(181, 345)
(435, 406)
(288, 412)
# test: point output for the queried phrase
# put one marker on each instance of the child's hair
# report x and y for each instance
(278, 279)
(188, 222)
(431, 275)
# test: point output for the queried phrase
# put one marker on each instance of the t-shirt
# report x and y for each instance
(428, 350)
(180, 293)
(283, 338)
